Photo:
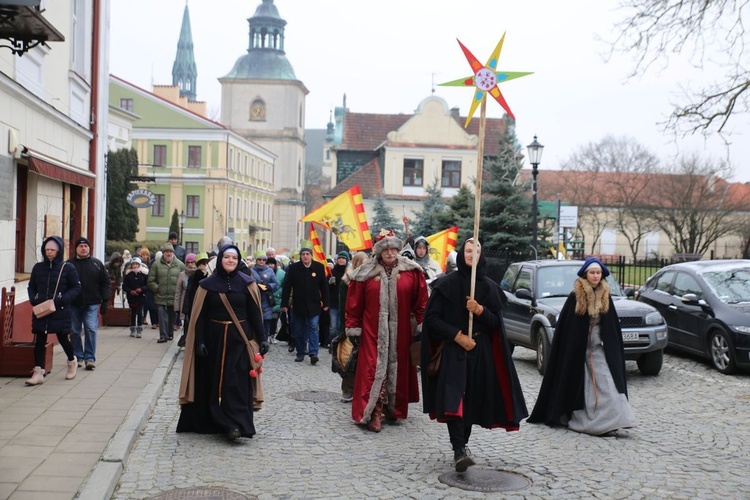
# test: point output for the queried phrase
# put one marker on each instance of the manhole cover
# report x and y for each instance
(486, 480)
(315, 396)
(203, 494)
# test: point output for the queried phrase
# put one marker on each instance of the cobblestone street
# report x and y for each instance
(691, 442)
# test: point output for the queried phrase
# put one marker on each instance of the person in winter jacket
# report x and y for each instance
(179, 294)
(115, 269)
(347, 380)
(162, 280)
(201, 260)
(134, 286)
(266, 279)
(276, 311)
(334, 282)
(44, 279)
(93, 299)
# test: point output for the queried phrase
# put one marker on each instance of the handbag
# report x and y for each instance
(434, 365)
(48, 306)
(344, 359)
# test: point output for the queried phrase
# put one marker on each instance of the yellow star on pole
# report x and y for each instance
(485, 79)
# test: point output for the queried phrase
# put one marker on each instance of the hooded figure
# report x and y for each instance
(422, 256)
(476, 383)
(218, 391)
(584, 385)
(42, 283)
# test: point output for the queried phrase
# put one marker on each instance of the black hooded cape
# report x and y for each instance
(562, 390)
(479, 386)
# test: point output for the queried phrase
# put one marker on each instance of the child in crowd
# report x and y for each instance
(134, 287)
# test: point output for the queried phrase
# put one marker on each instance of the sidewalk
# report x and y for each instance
(54, 435)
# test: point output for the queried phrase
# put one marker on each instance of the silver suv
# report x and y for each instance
(536, 292)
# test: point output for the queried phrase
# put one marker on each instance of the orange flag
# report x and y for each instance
(441, 244)
(318, 254)
(345, 217)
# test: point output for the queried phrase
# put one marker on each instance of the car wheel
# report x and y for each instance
(542, 350)
(650, 362)
(721, 351)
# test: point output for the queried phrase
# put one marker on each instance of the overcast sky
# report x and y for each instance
(385, 55)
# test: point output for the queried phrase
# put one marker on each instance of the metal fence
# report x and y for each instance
(628, 274)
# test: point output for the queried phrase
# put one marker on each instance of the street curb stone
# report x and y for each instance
(105, 475)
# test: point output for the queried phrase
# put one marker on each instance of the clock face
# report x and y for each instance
(258, 112)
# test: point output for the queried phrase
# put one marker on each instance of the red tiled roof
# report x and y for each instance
(368, 131)
(368, 178)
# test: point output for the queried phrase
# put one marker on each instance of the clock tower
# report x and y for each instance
(262, 99)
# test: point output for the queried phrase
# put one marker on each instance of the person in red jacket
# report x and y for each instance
(383, 294)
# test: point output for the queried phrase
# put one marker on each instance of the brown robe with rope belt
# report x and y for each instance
(188, 382)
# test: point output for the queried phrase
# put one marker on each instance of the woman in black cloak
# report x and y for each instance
(476, 383)
(584, 385)
(216, 391)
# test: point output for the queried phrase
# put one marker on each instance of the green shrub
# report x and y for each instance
(111, 246)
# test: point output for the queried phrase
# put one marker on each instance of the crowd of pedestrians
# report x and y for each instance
(387, 317)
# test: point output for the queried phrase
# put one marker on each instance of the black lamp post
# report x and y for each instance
(535, 157)
(182, 227)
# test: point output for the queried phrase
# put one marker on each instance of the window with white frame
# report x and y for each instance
(230, 206)
(193, 206)
(239, 208)
(79, 39)
(231, 160)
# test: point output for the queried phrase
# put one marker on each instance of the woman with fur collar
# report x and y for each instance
(382, 295)
(584, 385)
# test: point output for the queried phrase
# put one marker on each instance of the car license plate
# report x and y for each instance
(629, 336)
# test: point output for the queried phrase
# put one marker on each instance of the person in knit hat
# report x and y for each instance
(585, 384)
(334, 282)
(383, 295)
(134, 287)
(304, 296)
(162, 280)
(93, 299)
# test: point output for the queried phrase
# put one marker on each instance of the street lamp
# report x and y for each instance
(182, 227)
(535, 157)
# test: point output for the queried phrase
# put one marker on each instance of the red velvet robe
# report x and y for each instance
(384, 328)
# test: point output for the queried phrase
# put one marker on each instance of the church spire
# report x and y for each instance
(184, 71)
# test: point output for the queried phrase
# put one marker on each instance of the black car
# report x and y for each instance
(707, 308)
(536, 292)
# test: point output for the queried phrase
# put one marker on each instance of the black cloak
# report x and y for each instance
(479, 386)
(562, 390)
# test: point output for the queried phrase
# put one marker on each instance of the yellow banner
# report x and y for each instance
(441, 244)
(345, 217)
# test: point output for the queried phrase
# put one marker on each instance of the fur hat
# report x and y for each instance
(387, 242)
(81, 241)
(593, 262)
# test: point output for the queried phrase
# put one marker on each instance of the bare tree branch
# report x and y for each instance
(702, 31)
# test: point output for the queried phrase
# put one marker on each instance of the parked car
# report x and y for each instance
(707, 308)
(537, 291)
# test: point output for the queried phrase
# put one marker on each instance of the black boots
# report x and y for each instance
(462, 457)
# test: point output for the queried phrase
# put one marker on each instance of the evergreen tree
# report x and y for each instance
(505, 222)
(426, 221)
(122, 219)
(384, 218)
(174, 226)
(460, 213)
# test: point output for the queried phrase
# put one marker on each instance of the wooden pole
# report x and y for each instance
(477, 205)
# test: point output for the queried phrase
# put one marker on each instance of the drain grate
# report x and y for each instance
(315, 396)
(485, 480)
(202, 494)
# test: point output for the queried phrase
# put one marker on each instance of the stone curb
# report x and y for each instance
(103, 479)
